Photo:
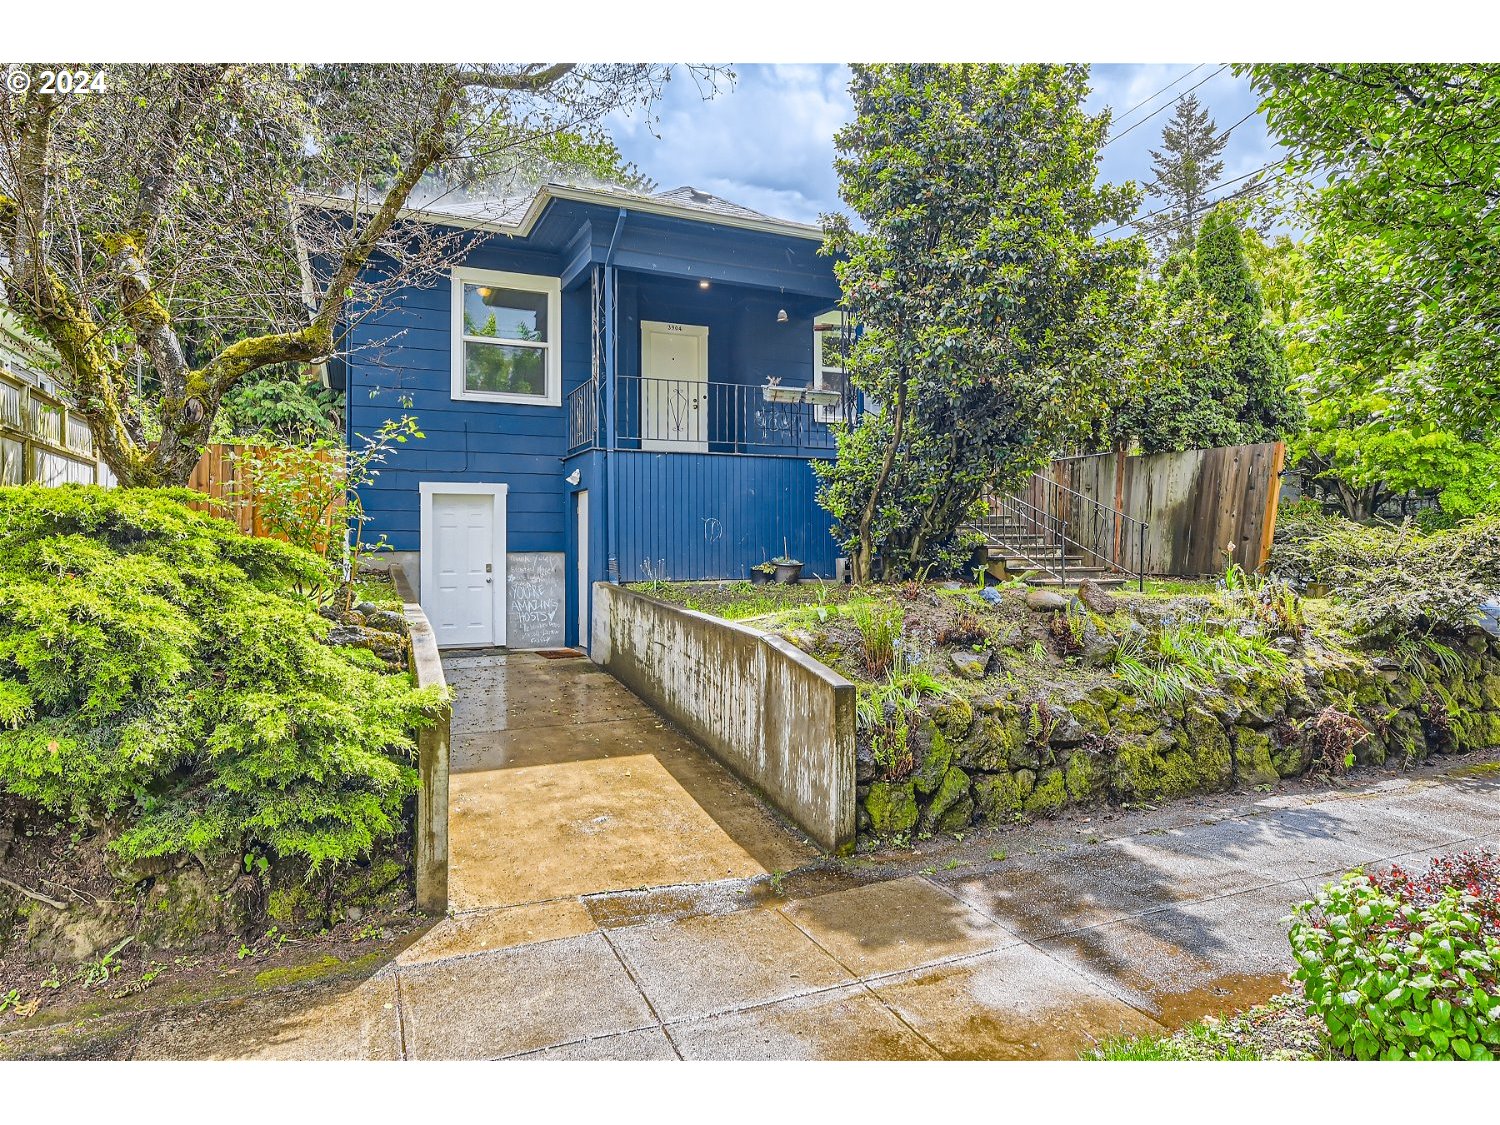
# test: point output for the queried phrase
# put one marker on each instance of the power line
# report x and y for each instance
(1163, 106)
(1221, 137)
(1138, 220)
(1159, 93)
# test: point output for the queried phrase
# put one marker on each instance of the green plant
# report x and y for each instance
(1402, 967)
(99, 972)
(11, 999)
(879, 629)
(1171, 663)
(160, 671)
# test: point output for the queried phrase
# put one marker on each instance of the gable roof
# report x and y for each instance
(518, 216)
(689, 196)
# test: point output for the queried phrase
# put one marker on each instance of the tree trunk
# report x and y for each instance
(864, 558)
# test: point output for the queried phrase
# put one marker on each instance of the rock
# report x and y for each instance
(864, 763)
(1084, 776)
(1048, 795)
(950, 584)
(970, 665)
(1253, 764)
(934, 755)
(997, 742)
(387, 621)
(992, 595)
(390, 647)
(365, 607)
(998, 797)
(1093, 595)
(955, 787)
(803, 640)
(1046, 600)
(79, 933)
(953, 716)
(892, 806)
(1099, 644)
(180, 909)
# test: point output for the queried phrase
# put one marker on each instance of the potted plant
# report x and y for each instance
(788, 570)
(761, 573)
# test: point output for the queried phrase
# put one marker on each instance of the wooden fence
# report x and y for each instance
(1196, 504)
(223, 476)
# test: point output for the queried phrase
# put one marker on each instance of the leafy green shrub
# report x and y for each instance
(1396, 580)
(1406, 967)
(163, 672)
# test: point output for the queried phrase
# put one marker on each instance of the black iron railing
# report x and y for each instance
(692, 415)
(1055, 528)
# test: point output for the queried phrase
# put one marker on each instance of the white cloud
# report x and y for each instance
(768, 142)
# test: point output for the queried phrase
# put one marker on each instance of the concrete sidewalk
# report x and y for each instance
(1034, 956)
(619, 897)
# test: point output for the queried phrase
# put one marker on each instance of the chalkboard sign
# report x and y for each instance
(536, 601)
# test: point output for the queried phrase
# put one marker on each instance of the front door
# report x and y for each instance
(674, 386)
(459, 598)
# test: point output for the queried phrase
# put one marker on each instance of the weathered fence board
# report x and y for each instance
(1196, 503)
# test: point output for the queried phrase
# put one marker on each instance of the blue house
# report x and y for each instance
(612, 386)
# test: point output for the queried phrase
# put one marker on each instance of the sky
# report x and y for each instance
(767, 143)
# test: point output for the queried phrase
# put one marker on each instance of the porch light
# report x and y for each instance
(703, 285)
(781, 317)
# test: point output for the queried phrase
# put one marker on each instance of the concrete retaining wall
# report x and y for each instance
(780, 720)
(431, 858)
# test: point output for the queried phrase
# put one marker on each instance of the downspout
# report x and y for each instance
(611, 361)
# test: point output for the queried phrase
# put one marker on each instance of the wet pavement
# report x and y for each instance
(618, 896)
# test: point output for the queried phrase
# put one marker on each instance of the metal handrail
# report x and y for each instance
(1081, 524)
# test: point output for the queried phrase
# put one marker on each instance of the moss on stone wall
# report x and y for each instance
(994, 759)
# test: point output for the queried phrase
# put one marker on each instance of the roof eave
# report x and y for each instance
(549, 192)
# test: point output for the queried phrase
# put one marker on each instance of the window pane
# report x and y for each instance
(506, 369)
(512, 314)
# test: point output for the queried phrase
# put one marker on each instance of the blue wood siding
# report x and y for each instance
(708, 515)
(401, 363)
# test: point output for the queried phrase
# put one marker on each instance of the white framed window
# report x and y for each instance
(507, 343)
(828, 365)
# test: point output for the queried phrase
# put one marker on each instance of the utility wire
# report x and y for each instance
(1163, 106)
(1159, 93)
(1138, 220)
(1221, 137)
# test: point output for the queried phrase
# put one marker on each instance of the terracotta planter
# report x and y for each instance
(788, 574)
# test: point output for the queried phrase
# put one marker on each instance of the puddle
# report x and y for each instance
(1227, 995)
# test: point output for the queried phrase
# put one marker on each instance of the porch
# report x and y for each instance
(704, 366)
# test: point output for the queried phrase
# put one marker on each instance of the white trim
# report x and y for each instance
(549, 192)
(526, 282)
(427, 546)
(833, 411)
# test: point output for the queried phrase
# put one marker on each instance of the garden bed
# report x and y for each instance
(1003, 704)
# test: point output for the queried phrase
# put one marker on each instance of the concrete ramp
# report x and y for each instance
(566, 784)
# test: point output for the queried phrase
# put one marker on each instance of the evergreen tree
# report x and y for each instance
(1236, 393)
(1187, 167)
(1253, 356)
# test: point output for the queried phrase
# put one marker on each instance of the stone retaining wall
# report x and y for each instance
(779, 719)
(1000, 759)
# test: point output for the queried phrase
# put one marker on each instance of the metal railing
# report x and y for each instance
(583, 417)
(1047, 523)
(769, 419)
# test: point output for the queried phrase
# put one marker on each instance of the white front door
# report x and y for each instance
(674, 386)
(463, 567)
